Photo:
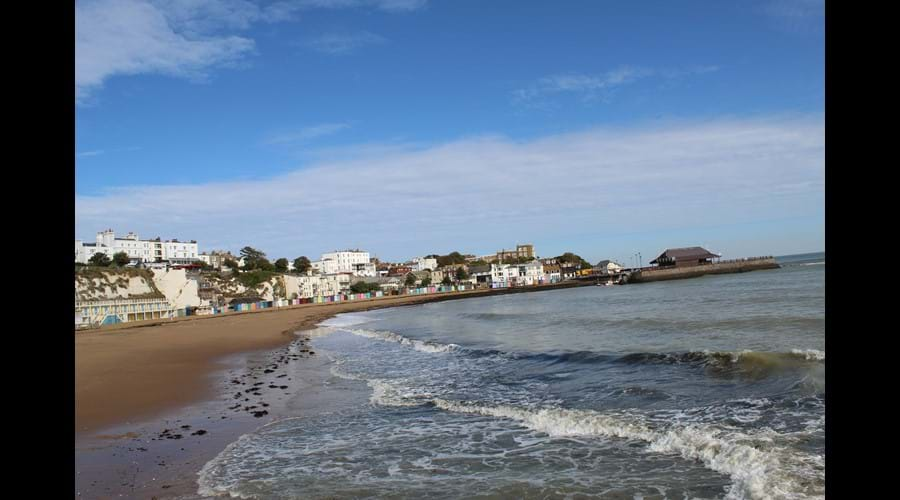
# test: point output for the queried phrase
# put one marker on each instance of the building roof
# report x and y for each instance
(683, 254)
(479, 269)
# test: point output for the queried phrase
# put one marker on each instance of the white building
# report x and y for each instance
(347, 261)
(137, 249)
(423, 263)
(607, 267)
(530, 273)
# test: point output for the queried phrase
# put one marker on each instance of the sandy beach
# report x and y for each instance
(154, 402)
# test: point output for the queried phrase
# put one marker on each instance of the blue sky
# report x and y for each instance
(420, 126)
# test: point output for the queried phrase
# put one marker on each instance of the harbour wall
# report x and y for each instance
(732, 266)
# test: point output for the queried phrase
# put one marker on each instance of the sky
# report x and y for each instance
(412, 127)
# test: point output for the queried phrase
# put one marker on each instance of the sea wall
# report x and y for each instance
(734, 266)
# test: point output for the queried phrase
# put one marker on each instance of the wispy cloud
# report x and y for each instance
(493, 190)
(99, 152)
(306, 134)
(386, 5)
(127, 37)
(90, 153)
(796, 16)
(187, 38)
(343, 43)
(597, 87)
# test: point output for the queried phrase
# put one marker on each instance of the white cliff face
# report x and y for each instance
(293, 288)
(112, 285)
(179, 290)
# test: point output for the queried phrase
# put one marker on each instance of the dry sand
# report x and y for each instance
(137, 371)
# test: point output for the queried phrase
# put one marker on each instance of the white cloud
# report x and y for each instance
(91, 153)
(343, 43)
(99, 152)
(479, 194)
(127, 37)
(187, 38)
(386, 5)
(306, 134)
(796, 16)
(597, 87)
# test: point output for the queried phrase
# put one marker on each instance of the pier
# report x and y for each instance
(649, 274)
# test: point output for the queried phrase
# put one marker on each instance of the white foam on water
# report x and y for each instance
(346, 319)
(209, 484)
(810, 354)
(419, 345)
(755, 473)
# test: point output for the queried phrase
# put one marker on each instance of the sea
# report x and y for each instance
(712, 387)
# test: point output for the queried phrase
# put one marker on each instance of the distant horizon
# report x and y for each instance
(273, 257)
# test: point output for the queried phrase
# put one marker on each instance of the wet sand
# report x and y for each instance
(160, 456)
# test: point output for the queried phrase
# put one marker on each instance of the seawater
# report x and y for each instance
(711, 387)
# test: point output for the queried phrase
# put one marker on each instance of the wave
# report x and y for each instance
(755, 364)
(388, 336)
(756, 467)
(755, 472)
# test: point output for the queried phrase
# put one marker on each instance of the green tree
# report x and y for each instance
(461, 274)
(451, 258)
(302, 264)
(99, 259)
(446, 280)
(252, 258)
(426, 281)
(231, 264)
(410, 279)
(120, 259)
(281, 265)
(265, 265)
(574, 260)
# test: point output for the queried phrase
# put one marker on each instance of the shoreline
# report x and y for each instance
(161, 457)
(138, 370)
(143, 393)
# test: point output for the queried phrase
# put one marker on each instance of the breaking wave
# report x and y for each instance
(758, 468)
(419, 345)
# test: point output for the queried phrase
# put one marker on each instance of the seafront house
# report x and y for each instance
(481, 275)
(423, 263)
(551, 273)
(567, 272)
(138, 250)
(530, 273)
(216, 258)
(399, 271)
(355, 262)
(684, 257)
(608, 267)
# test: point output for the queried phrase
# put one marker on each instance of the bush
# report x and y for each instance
(363, 287)
(99, 259)
(251, 279)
